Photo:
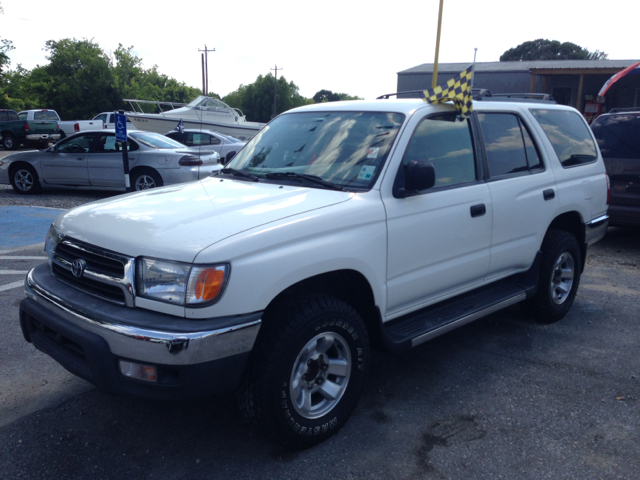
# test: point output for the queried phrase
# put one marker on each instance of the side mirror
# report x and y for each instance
(228, 158)
(413, 178)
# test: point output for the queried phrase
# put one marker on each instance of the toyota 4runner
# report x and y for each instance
(338, 226)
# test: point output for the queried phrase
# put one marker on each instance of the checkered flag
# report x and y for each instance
(457, 89)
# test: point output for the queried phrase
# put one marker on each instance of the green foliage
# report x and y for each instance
(256, 100)
(328, 96)
(542, 49)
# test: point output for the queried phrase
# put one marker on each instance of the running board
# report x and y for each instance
(423, 325)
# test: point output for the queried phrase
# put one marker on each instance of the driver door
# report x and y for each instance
(67, 162)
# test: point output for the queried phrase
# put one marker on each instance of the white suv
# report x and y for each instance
(337, 225)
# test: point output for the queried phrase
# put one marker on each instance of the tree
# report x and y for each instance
(256, 100)
(328, 96)
(78, 82)
(542, 49)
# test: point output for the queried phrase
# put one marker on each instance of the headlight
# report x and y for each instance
(180, 283)
(52, 240)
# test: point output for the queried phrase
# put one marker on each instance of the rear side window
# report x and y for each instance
(508, 144)
(569, 135)
(8, 116)
(446, 142)
(618, 135)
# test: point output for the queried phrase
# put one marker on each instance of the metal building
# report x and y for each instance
(571, 82)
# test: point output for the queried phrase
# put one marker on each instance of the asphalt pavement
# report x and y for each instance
(502, 398)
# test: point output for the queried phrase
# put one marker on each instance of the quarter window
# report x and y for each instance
(509, 146)
(445, 141)
(569, 135)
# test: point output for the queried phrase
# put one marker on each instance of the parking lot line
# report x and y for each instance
(13, 272)
(9, 286)
(21, 257)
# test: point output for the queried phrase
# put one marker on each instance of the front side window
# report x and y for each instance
(347, 149)
(569, 136)
(445, 141)
(77, 144)
(509, 147)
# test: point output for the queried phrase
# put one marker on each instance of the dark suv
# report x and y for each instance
(618, 134)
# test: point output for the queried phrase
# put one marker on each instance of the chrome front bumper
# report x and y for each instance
(187, 346)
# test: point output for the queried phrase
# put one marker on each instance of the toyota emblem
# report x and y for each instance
(77, 267)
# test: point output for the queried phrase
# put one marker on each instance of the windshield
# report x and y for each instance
(155, 140)
(347, 149)
(208, 103)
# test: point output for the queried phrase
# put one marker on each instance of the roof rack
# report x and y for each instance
(627, 109)
(485, 95)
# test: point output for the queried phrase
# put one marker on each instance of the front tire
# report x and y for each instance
(559, 276)
(24, 180)
(307, 372)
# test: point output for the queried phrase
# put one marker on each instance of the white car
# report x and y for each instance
(208, 140)
(337, 224)
(93, 160)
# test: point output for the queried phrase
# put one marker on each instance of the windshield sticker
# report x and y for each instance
(367, 171)
(373, 152)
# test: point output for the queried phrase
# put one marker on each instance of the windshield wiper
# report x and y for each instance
(304, 176)
(240, 173)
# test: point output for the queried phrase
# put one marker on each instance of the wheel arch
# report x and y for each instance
(347, 285)
(572, 223)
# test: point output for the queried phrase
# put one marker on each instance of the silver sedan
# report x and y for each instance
(208, 140)
(93, 160)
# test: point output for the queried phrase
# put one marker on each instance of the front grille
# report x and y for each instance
(98, 289)
(97, 262)
(107, 275)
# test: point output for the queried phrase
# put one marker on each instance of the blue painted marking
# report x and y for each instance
(22, 226)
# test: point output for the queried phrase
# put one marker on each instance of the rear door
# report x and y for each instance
(67, 162)
(522, 187)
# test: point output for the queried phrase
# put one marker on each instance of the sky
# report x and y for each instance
(353, 47)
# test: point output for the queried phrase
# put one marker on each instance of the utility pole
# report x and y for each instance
(275, 90)
(205, 72)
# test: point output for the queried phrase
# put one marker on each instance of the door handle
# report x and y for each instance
(80, 158)
(549, 194)
(478, 210)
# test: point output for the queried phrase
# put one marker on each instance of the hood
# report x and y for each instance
(179, 221)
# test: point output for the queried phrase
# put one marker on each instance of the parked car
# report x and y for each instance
(93, 160)
(109, 119)
(618, 135)
(338, 226)
(68, 127)
(207, 140)
(15, 131)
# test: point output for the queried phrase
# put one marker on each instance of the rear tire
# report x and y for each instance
(307, 371)
(145, 179)
(24, 180)
(9, 141)
(559, 277)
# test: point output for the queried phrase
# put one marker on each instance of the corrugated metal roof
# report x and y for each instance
(526, 66)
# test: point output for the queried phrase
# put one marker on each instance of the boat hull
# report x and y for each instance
(162, 124)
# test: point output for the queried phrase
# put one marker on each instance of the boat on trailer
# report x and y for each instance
(203, 113)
